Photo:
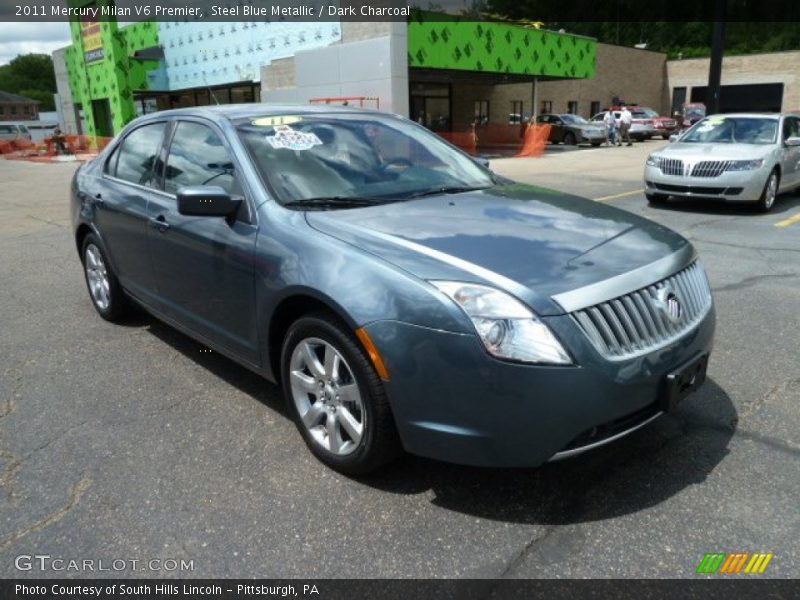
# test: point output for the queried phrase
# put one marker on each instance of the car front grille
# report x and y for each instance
(671, 166)
(710, 168)
(639, 322)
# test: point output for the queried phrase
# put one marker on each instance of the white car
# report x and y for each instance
(638, 131)
(736, 157)
(10, 130)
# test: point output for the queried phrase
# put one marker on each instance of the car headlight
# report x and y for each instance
(507, 328)
(654, 160)
(745, 165)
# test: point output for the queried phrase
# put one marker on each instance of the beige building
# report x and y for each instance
(768, 82)
(629, 75)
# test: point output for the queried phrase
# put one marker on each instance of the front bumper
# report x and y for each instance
(593, 137)
(741, 186)
(453, 402)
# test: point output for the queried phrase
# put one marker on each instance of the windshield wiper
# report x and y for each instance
(333, 202)
(445, 190)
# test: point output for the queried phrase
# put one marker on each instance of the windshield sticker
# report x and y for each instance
(275, 120)
(715, 120)
(291, 139)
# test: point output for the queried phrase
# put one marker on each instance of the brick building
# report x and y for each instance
(14, 107)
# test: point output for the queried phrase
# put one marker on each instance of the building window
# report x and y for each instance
(547, 107)
(516, 115)
(572, 107)
(595, 108)
(13, 109)
(2, 110)
(481, 112)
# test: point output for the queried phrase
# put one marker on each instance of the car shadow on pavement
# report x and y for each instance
(783, 204)
(226, 369)
(627, 476)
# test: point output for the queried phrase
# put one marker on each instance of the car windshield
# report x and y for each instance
(574, 119)
(341, 156)
(695, 111)
(733, 130)
(645, 112)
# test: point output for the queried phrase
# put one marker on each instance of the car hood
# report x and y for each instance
(533, 242)
(686, 150)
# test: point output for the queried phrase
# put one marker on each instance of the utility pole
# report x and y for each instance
(717, 50)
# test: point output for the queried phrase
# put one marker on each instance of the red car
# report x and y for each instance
(663, 126)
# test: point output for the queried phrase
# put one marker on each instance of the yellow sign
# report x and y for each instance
(92, 38)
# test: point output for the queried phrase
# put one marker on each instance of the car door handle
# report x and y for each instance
(160, 223)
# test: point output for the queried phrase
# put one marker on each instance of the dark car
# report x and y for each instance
(402, 295)
(573, 129)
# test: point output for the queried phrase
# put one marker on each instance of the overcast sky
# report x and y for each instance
(23, 38)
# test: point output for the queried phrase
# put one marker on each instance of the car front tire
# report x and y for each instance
(767, 199)
(104, 289)
(569, 139)
(336, 397)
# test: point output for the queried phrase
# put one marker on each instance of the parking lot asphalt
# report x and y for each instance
(129, 442)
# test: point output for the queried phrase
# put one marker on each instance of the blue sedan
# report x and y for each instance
(402, 295)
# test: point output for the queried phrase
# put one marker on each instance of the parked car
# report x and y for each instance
(572, 129)
(736, 157)
(403, 295)
(638, 131)
(664, 126)
(640, 117)
(691, 113)
(10, 130)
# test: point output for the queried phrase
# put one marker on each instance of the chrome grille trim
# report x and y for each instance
(632, 325)
(672, 166)
(710, 168)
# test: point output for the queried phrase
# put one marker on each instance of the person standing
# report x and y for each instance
(625, 120)
(611, 127)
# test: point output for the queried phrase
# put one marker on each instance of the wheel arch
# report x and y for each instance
(291, 307)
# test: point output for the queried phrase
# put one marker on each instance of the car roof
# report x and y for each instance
(758, 115)
(235, 112)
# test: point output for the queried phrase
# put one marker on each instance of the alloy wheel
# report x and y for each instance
(771, 191)
(97, 276)
(326, 396)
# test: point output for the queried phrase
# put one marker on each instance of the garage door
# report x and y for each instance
(757, 97)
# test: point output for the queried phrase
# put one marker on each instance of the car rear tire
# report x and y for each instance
(569, 138)
(665, 136)
(656, 199)
(767, 199)
(596, 144)
(336, 397)
(105, 291)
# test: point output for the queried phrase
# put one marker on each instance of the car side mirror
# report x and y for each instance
(206, 201)
(792, 141)
(674, 138)
(482, 161)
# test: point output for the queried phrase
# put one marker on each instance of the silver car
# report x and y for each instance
(737, 157)
(638, 131)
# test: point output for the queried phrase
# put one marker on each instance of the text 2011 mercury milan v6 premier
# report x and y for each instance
(403, 295)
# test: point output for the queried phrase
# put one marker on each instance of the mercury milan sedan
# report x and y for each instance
(402, 295)
(741, 158)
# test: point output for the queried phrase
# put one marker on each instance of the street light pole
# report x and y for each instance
(717, 50)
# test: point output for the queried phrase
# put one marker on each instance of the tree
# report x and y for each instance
(30, 75)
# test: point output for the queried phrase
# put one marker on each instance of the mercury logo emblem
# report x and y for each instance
(667, 302)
